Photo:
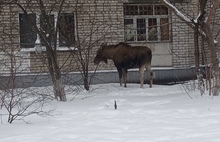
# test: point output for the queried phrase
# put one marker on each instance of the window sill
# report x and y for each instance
(42, 49)
(67, 49)
(141, 42)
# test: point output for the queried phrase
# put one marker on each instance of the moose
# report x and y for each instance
(126, 57)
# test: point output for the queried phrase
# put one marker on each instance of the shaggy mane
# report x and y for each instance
(119, 44)
(122, 43)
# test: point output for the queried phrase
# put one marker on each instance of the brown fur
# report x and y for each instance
(125, 57)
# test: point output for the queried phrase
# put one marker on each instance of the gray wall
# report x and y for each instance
(161, 76)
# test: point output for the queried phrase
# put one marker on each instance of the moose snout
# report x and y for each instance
(95, 61)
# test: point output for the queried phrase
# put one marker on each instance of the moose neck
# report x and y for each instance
(108, 53)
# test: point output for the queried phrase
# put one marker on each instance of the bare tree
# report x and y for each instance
(15, 102)
(20, 103)
(48, 37)
(99, 25)
(202, 24)
(84, 47)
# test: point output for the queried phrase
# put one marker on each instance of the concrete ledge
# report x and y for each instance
(161, 76)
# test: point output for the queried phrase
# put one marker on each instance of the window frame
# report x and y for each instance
(74, 28)
(38, 24)
(146, 17)
(33, 32)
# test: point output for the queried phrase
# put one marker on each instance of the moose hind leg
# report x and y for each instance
(151, 78)
(150, 75)
(141, 70)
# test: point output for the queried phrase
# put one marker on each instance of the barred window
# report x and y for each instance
(144, 22)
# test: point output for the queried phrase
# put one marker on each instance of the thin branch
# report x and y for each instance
(211, 15)
(178, 13)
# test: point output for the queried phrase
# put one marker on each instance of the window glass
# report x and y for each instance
(66, 30)
(66, 33)
(28, 36)
(47, 25)
(129, 30)
(141, 29)
(146, 22)
(131, 10)
(152, 29)
(146, 9)
(161, 10)
(164, 27)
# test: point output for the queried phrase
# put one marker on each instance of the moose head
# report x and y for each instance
(99, 55)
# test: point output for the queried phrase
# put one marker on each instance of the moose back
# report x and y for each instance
(126, 57)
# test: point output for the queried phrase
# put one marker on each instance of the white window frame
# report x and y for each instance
(146, 17)
(37, 42)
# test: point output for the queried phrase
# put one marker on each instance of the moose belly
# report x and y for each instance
(130, 64)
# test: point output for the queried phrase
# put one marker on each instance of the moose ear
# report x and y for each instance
(103, 44)
(106, 61)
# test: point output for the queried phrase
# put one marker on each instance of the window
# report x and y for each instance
(65, 35)
(66, 30)
(28, 35)
(144, 22)
(47, 24)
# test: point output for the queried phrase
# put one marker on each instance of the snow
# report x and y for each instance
(197, 18)
(158, 114)
(177, 11)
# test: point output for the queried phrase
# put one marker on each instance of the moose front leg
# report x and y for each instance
(151, 78)
(124, 76)
(120, 75)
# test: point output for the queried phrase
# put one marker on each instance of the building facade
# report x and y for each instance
(85, 24)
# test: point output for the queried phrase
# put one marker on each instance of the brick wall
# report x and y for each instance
(10, 57)
(98, 21)
(183, 38)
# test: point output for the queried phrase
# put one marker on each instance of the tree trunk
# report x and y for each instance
(214, 58)
(58, 85)
(196, 47)
(55, 75)
(59, 90)
(86, 83)
(199, 74)
(86, 77)
(206, 32)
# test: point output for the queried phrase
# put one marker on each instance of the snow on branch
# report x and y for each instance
(197, 18)
(178, 13)
(211, 15)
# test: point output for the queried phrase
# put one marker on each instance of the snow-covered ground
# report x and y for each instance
(158, 114)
